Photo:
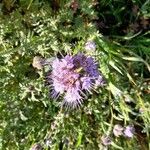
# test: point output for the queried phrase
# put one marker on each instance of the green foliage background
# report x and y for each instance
(30, 28)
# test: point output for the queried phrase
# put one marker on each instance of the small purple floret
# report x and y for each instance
(106, 140)
(90, 46)
(129, 131)
(86, 83)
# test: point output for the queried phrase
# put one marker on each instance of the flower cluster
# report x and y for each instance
(73, 76)
(118, 131)
(128, 131)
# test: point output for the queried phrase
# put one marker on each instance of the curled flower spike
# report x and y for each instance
(71, 76)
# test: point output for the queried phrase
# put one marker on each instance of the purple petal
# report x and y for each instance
(72, 98)
(99, 81)
(86, 83)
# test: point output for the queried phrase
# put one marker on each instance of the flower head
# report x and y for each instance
(106, 140)
(118, 130)
(72, 75)
(90, 46)
(129, 131)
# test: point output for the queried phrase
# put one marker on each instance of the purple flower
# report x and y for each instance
(118, 130)
(90, 46)
(72, 75)
(129, 131)
(106, 140)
